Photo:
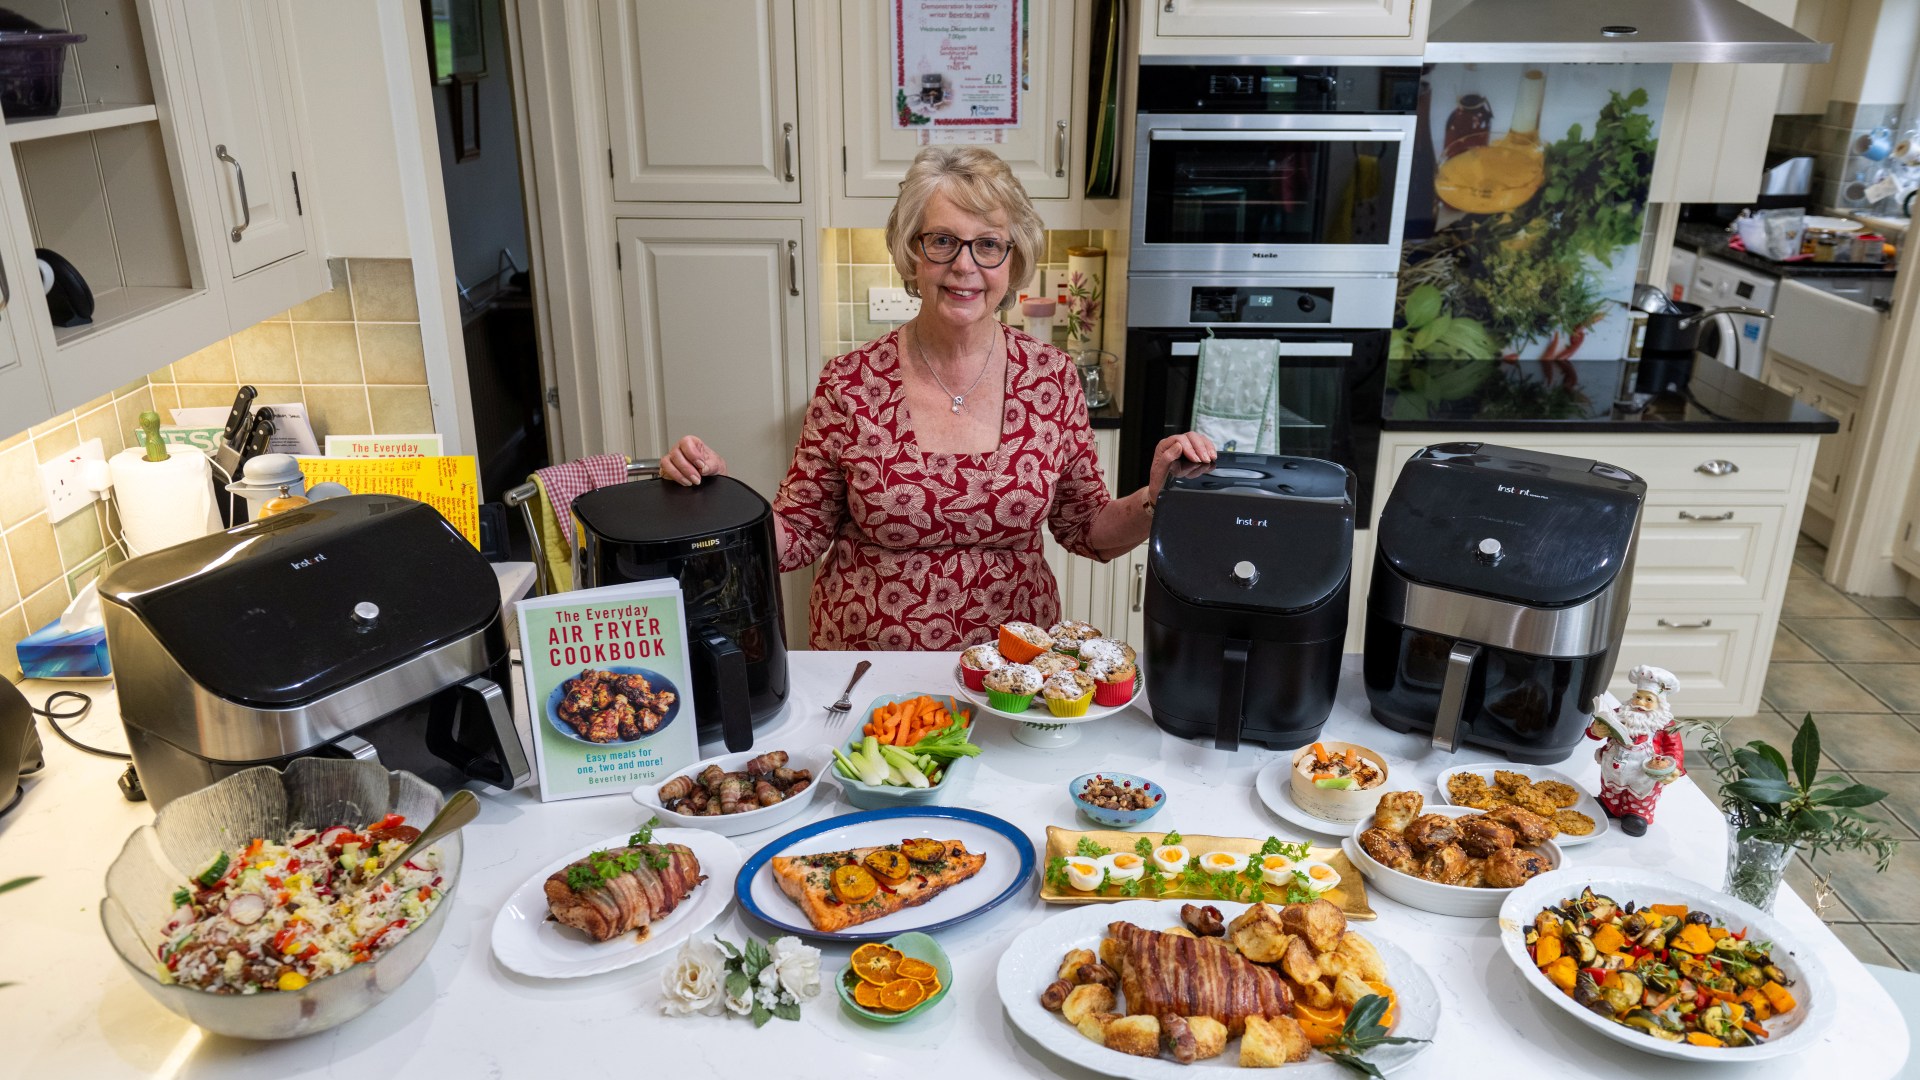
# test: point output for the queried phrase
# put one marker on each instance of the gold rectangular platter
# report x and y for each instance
(1350, 894)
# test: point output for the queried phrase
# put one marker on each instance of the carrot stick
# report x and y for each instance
(1319, 754)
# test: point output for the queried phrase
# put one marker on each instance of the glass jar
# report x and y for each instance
(1093, 368)
(1755, 867)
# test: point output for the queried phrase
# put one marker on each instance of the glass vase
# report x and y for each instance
(1755, 867)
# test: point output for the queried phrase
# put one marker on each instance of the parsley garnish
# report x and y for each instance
(1171, 838)
(1057, 874)
(1277, 846)
(1143, 847)
(1361, 1033)
(645, 835)
(1088, 849)
(1300, 891)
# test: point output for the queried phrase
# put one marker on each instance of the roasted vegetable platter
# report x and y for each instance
(1686, 972)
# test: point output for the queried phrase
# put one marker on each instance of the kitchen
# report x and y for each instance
(627, 299)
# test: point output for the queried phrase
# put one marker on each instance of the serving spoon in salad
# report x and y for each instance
(461, 808)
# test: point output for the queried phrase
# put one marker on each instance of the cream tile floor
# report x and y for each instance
(1854, 662)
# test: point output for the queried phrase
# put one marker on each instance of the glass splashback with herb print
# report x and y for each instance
(1537, 215)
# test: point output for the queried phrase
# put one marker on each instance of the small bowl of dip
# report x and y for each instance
(1338, 781)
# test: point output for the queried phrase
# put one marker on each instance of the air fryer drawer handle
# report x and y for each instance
(1453, 695)
(1233, 695)
(1717, 467)
(483, 696)
(726, 666)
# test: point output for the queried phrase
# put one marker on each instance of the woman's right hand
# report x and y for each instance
(690, 460)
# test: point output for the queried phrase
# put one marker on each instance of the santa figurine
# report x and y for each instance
(1640, 750)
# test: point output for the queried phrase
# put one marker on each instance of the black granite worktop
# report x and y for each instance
(1585, 395)
(1103, 418)
(1712, 240)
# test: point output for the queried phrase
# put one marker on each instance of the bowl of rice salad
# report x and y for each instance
(242, 907)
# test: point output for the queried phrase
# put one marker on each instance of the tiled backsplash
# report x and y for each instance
(1828, 138)
(353, 356)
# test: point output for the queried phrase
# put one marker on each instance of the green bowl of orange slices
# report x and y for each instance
(897, 979)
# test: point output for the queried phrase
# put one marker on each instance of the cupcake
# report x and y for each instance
(1050, 664)
(1022, 641)
(976, 661)
(1113, 683)
(1011, 688)
(1068, 693)
(1067, 635)
(1105, 650)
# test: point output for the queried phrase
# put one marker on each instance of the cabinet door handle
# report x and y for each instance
(793, 268)
(1139, 581)
(1717, 467)
(1701, 625)
(1060, 148)
(1688, 515)
(1169, 8)
(246, 207)
(786, 134)
(6, 290)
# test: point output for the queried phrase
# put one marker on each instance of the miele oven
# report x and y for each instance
(1242, 166)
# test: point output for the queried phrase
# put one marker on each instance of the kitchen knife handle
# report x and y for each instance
(786, 134)
(1059, 148)
(239, 174)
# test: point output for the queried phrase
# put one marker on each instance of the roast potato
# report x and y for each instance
(1259, 935)
(1320, 922)
(1072, 961)
(1136, 1035)
(1271, 1042)
(1209, 1036)
(1094, 1025)
(1084, 999)
(1360, 958)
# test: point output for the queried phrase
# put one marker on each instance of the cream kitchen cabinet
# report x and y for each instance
(1715, 547)
(702, 100)
(1836, 399)
(1041, 150)
(1713, 136)
(1380, 27)
(24, 399)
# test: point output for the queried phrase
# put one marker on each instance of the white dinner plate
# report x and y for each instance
(1037, 713)
(817, 760)
(1587, 805)
(1032, 961)
(1273, 787)
(525, 940)
(1010, 861)
(1833, 224)
(1791, 1033)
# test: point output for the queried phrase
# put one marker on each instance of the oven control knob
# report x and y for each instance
(1245, 573)
(1488, 551)
(365, 614)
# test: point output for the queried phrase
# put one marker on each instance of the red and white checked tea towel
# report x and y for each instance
(566, 482)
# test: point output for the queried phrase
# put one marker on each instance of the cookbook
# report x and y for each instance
(609, 689)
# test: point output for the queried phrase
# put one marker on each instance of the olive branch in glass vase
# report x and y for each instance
(1767, 797)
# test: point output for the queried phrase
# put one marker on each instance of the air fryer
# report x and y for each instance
(716, 539)
(1246, 598)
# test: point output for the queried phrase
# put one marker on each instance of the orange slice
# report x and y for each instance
(875, 963)
(901, 995)
(932, 985)
(866, 995)
(917, 970)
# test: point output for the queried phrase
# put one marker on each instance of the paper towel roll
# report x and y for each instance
(163, 503)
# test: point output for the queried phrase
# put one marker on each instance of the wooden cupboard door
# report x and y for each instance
(702, 100)
(716, 339)
(1830, 461)
(1283, 18)
(1040, 150)
(245, 96)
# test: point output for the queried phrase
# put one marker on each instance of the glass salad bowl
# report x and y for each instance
(266, 802)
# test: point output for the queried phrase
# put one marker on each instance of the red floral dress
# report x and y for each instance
(934, 551)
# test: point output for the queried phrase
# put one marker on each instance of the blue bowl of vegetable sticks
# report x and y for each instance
(886, 796)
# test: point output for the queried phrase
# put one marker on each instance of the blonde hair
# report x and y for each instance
(977, 181)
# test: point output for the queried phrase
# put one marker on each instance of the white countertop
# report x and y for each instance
(74, 1011)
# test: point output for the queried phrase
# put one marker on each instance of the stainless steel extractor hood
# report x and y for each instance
(1617, 32)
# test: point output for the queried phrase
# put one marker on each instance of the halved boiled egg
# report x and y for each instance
(1278, 870)
(1218, 862)
(1170, 858)
(1123, 866)
(1320, 876)
(1083, 873)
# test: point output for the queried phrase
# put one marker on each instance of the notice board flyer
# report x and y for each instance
(609, 687)
(956, 63)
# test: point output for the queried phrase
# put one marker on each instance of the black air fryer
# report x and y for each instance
(1246, 604)
(1499, 596)
(716, 539)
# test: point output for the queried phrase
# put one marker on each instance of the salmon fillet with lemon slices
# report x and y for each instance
(808, 880)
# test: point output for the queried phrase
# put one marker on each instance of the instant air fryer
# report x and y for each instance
(1499, 596)
(1246, 598)
(716, 539)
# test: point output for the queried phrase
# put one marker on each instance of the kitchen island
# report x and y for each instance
(76, 1011)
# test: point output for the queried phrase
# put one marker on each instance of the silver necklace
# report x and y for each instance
(960, 399)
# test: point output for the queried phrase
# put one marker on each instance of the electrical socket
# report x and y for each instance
(890, 305)
(60, 480)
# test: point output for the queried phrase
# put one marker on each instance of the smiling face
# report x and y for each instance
(959, 294)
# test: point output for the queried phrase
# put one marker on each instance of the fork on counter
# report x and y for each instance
(839, 709)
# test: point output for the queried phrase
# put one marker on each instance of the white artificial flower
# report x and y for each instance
(797, 967)
(695, 981)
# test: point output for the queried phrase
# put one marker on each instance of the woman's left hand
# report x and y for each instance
(1192, 446)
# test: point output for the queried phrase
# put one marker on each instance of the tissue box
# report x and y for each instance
(50, 653)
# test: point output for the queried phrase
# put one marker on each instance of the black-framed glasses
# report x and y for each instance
(988, 251)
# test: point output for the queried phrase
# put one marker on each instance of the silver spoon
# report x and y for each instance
(460, 809)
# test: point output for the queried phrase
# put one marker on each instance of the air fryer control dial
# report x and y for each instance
(1488, 551)
(1245, 573)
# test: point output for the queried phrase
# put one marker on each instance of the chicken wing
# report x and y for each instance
(1429, 833)
(1528, 827)
(1445, 866)
(1388, 849)
(1512, 867)
(1397, 809)
(1482, 837)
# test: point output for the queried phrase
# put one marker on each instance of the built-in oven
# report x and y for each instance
(1247, 167)
(1329, 343)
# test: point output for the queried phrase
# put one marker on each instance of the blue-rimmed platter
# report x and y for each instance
(654, 679)
(1010, 862)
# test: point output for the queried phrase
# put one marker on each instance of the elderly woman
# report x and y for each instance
(932, 457)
